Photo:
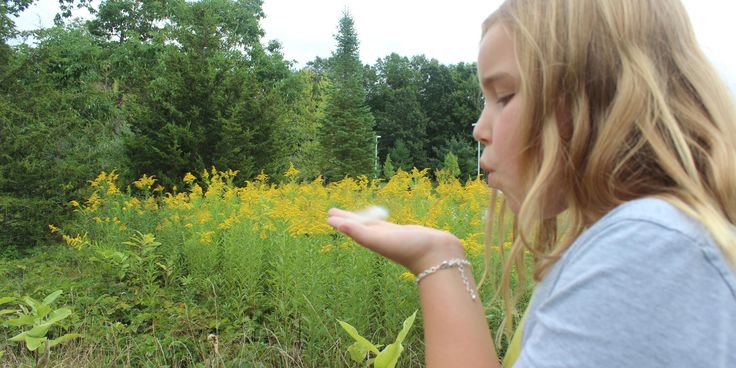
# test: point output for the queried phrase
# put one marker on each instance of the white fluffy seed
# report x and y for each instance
(374, 213)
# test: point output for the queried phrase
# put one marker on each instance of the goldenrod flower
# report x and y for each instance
(407, 276)
(206, 237)
(291, 172)
(326, 248)
(145, 182)
(189, 178)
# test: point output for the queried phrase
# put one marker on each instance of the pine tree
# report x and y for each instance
(388, 167)
(347, 134)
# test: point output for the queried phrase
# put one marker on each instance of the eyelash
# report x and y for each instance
(505, 99)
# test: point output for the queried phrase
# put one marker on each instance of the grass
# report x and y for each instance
(152, 276)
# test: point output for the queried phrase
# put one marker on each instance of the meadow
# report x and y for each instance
(216, 274)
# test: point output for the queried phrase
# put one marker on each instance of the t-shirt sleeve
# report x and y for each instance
(620, 300)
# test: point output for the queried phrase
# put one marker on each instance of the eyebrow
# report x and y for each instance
(492, 79)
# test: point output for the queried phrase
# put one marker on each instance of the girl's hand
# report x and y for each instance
(412, 246)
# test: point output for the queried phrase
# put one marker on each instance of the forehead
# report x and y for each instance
(496, 54)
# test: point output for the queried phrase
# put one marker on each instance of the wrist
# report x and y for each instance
(447, 247)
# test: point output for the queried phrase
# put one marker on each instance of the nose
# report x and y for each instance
(482, 128)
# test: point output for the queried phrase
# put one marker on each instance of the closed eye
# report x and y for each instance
(504, 100)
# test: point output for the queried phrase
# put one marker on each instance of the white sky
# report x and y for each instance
(448, 33)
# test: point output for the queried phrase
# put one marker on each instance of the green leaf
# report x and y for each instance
(21, 321)
(7, 311)
(358, 352)
(34, 342)
(356, 336)
(58, 315)
(43, 311)
(6, 299)
(63, 339)
(33, 303)
(40, 330)
(19, 337)
(389, 356)
(52, 297)
(408, 322)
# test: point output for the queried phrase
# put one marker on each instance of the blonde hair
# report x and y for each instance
(619, 103)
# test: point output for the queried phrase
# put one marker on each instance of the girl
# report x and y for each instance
(606, 111)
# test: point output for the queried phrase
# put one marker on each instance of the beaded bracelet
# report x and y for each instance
(455, 262)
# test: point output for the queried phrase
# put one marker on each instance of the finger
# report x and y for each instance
(336, 212)
(365, 217)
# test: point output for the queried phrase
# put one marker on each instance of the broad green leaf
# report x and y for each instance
(408, 322)
(58, 315)
(19, 337)
(389, 356)
(52, 297)
(7, 311)
(34, 342)
(40, 330)
(43, 311)
(6, 299)
(63, 339)
(33, 303)
(356, 336)
(21, 321)
(358, 352)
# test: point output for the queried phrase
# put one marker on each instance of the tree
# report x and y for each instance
(451, 166)
(213, 97)
(9, 8)
(394, 100)
(56, 129)
(388, 167)
(347, 134)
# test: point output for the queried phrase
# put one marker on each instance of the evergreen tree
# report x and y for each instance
(388, 167)
(401, 156)
(213, 97)
(394, 100)
(451, 166)
(347, 133)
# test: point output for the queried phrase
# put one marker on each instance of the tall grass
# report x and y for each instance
(253, 267)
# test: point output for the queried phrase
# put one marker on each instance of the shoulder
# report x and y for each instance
(640, 287)
(648, 239)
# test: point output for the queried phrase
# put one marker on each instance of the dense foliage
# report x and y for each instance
(165, 88)
(151, 277)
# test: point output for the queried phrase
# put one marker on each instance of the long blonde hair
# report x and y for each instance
(619, 103)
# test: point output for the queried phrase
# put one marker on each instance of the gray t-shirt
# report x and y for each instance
(645, 286)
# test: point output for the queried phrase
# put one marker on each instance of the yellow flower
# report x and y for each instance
(145, 182)
(74, 203)
(53, 229)
(292, 172)
(327, 248)
(76, 242)
(206, 237)
(407, 276)
(188, 178)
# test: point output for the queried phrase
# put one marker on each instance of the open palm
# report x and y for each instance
(414, 247)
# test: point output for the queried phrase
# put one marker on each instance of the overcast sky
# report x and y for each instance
(444, 30)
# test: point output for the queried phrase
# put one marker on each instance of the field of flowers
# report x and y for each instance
(218, 274)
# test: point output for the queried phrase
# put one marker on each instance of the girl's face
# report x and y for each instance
(498, 127)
